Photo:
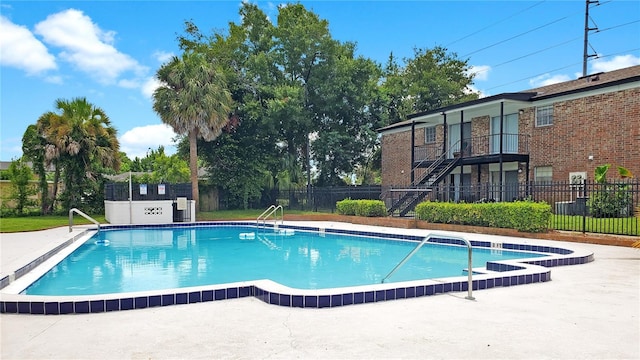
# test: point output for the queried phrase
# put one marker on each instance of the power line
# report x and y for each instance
(526, 55)
(617, 26)
(495, 23)
(536, 52)
(557, 45)
(516, 36)
(552, 47)
(561, 68)
(529, 31)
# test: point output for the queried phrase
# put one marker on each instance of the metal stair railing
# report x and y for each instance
(436, 163)
(433, 174)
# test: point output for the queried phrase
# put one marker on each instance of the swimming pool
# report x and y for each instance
(130, 260)
(488, 272)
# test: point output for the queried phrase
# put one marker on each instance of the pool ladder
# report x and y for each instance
(271, 210)
(74, 210)
(425, 240)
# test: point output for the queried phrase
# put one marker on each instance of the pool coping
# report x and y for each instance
(494, 274)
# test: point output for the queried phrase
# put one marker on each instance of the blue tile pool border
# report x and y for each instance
(498, 274)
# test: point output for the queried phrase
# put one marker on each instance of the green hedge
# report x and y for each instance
(523, 216)
(370, 208)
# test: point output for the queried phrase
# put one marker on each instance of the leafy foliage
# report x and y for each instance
(161, 168)
(194, 100)
(308, 102)
(33, 145)
(20, 174)
(432, 79)
(369, 208)
(80, 143)
(524, 216)
(610, 200)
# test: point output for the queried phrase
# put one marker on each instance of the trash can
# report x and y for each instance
(179, 209)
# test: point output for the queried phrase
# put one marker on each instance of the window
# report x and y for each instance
(544, 115)
(543, 174)
(430, 135)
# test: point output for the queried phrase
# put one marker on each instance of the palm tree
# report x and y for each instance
(195, 101)
(81, 140)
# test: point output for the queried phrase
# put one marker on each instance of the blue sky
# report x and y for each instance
(109, 51)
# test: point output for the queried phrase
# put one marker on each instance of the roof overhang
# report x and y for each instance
(434, 116)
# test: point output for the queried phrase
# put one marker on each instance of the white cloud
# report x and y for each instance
(149, 86)
(87, 46)
(480, 72)
(20, 49)
(163, 56)
(547, 79)
(129, 83)
(618, 62)
(138, 141)
(472, 89)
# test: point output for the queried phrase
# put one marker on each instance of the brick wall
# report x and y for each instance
(396, 158)
(606, 126)
(479, 131)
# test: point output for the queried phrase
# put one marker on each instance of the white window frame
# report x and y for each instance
(430, 135)
(544, 115)
(547, 171)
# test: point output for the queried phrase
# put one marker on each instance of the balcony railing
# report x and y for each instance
(476, 146)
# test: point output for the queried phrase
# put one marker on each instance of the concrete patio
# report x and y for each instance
(589, 311)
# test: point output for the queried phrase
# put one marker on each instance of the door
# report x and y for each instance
(454, 137)
(506, 190)
(510, 185)
(460, 191)
(509, 134)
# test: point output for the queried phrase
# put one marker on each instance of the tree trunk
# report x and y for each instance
(193, 166)
(54, 196)
(44, 188)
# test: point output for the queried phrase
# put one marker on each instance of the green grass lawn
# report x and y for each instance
(240, 214)
(621, 226)
(33, 223)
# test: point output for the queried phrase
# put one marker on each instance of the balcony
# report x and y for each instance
(480, 149)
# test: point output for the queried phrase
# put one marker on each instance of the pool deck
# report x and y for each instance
(587, 311)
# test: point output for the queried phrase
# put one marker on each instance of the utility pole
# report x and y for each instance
(586, 55)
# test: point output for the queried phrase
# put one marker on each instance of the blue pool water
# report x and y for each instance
(166, 258)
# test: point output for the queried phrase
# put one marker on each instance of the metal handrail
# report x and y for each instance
(425, 240)
(266, 211)
(270, 211)
(74, 210)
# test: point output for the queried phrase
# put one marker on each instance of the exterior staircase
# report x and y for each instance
(418, 191)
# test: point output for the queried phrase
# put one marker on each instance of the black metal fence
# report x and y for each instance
(120, 191)
(310, 199)
(586, 207)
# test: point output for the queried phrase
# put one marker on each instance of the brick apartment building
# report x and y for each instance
(558, 132)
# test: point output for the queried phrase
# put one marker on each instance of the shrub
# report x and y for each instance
(346, 207)
(21, 190)
(370, 208)
(610, 201)
(520, 215)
